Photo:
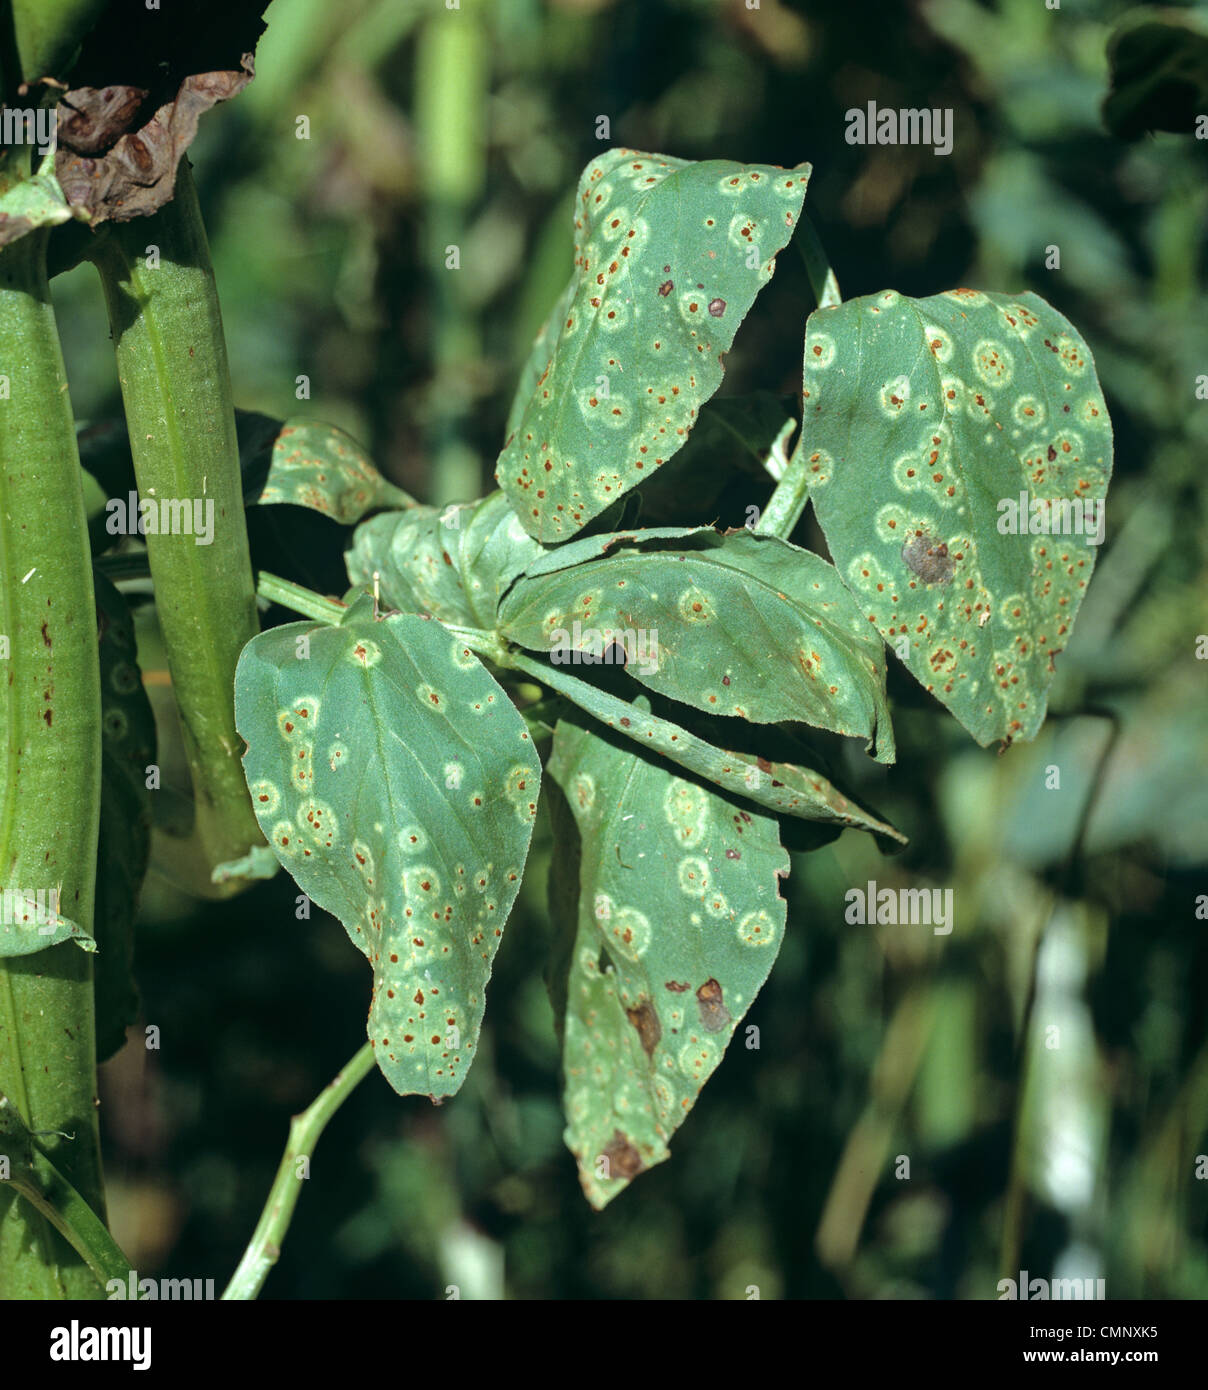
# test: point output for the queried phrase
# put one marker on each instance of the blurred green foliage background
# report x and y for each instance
(1074, 907)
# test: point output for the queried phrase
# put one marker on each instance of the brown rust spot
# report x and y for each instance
(646, 1021)
(624, 1161)
(714, 1015)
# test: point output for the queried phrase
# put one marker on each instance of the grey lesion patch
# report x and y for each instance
(714, 1016)
(646, 1021)
(928, 557)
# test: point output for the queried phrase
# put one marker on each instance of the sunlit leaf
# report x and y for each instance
(35, 200)
(679, 920)
(738, 624)
(31, 921)
(454, 563)
(791, 789)
(669, 256)
(321, 467)
(927, 423)
(397, 783)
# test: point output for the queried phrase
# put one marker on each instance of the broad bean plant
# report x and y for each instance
(671, 694)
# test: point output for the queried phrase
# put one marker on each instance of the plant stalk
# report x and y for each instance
(789, 497)
(176, 387)
(50, 772)
(264, 1250)
(46, 35)
(274, 589)
(817, 264)
(36, 1179)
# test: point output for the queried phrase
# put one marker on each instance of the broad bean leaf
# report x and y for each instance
(321, 467)
(679, 920)
(743, 625)
(454, 563)
(669, 256)
(31, 922)
(298, 461)
(124, 843)
(925, 422)
(396, 782)
(787, 788)
(35, 200)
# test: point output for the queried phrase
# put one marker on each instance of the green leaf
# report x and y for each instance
(741, 625)
(321, 467)
(397, 783)
(124, 843)
(36, 200)
(454, 563)
(678, 924)
(302, 462)
(30, 921)
(925, 421)
(669, 256)
(790, 789)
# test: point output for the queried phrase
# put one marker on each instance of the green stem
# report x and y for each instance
(46, 1189)
(817, 265)
(301, 600)
(50, 771)
(452, 72)
(788, 500)
(264, 1250)
(176, 387)
(46, 34)
(1015, 1200)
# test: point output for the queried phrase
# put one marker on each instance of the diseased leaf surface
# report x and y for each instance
(790, 789)
(740, 625)
(679, 922)
(923, 420)
(396, 782)
(321, 467)
(454, 563)
(669, 256)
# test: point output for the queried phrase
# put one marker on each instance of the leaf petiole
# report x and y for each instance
(274, 589)
(264, 1249)
(817, 265)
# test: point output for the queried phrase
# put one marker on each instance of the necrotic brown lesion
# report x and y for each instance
(928, 557)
